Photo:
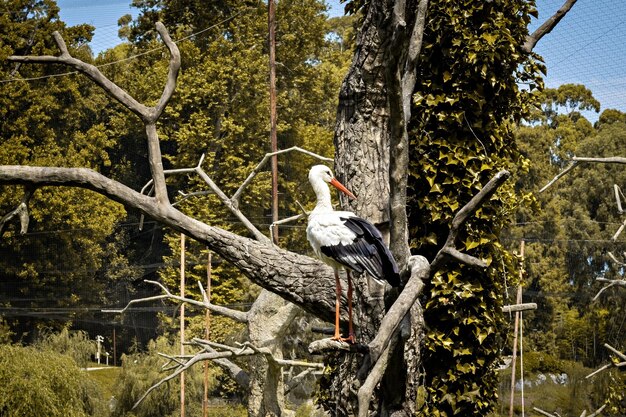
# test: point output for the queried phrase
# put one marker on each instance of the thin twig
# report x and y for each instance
(235, 198)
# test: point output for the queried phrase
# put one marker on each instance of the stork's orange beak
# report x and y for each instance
(341, 188)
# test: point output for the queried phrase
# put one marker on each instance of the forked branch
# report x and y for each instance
(209, 352)
(614, 363)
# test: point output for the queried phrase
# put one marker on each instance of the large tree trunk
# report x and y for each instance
(371, 110)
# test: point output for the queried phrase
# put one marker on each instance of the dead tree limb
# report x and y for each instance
(236, 315)
(449, 248)
(575, 162)
(584, 413)
(148, 115)
(618, 198)
(236, 373)
(613, 363)
(571, 166)
(211, 353)
(547, 26)
(236, 197)
(610, 283)
(401, 76)
(21, 212)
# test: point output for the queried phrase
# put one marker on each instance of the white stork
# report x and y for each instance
(343, 240)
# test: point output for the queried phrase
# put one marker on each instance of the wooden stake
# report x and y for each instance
(207, 334)
(182, 322)
(515, 327)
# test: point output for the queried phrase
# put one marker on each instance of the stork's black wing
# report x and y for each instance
(367, 252)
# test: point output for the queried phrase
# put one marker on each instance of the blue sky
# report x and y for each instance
(587, 47)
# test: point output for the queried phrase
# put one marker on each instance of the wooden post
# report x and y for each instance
(515, 327)
(114, 349)
(273, 139)
(207, 334)
(182, 322)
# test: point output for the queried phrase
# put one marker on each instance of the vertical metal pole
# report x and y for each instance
(182, 322)
(207, 334)
(273, 138)
(515, 327)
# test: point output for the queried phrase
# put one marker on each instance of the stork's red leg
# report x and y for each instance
(337, 335)
(351, 338)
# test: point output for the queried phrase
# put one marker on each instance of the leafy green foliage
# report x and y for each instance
(465, 102)
(42, 383)
(52, 121)
(76, 345)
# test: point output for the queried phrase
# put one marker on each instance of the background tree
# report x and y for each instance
(34, 381)
(61, 262)
(569, 234)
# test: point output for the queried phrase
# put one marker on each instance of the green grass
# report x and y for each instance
(106, 379)
(568, 400)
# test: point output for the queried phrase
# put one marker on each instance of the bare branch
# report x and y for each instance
(211, 354)
(373, 378)
(224, 199)
(619, 231)
(298, 379)
(621, 364)
(463, 257)
(235, 198)
(547, 26)
(401, 76)
(174, 67)
(461, 217)
(21, 211)
(615, 351)
(571, 166)
(609, 160)
(195, 359)
(576, 160)
(614, 259)
(618, 199)
(545, 413)
(300, 279)
(598, 411)
(236, 315)
(415, 46)
(239, 375)
(219, 193)
(90, 71)
(330, 345)
(420, 270)
(611, 283)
